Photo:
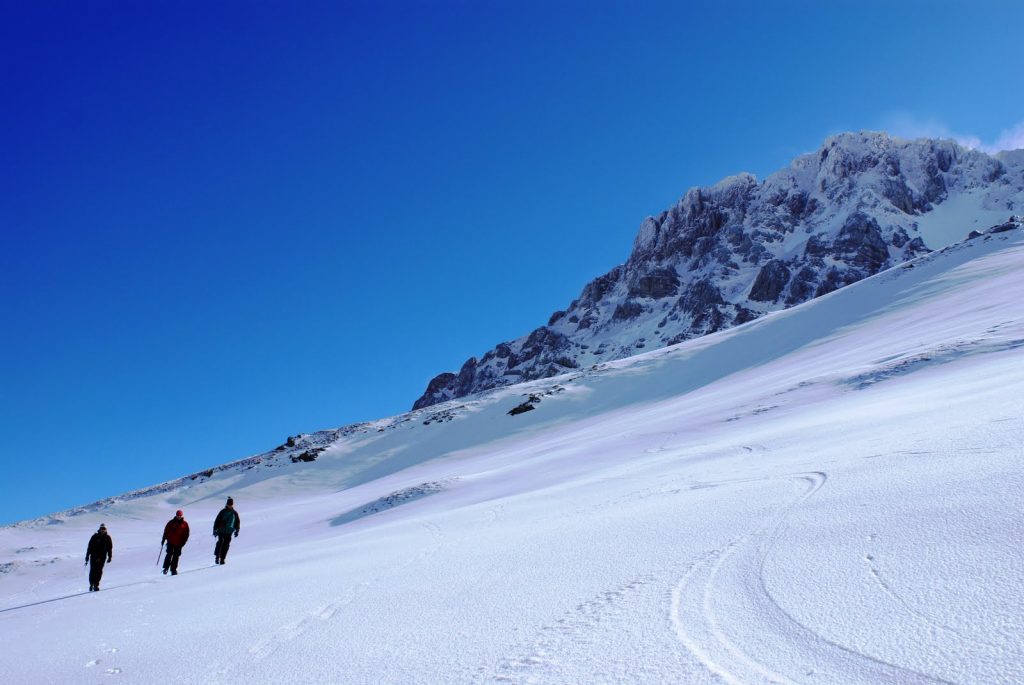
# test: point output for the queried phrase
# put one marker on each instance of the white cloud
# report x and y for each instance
(904, 125)
(1011, 139)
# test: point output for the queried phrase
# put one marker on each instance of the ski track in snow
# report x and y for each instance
(734, 570)
(315, 619)
(290, 631)
(733, 577)
(538, 660)
(325, 612)
(930, 623)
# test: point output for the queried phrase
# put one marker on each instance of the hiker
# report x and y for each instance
(99, 552)
(225, 525)
(175, 535)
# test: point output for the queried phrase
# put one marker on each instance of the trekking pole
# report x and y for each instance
(159, 554)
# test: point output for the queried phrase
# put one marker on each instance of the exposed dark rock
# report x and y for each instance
(934, 189)
(628, 310)
(770, 281)
(309, 455)
(895, 190)
(995, 172)
(588, 320)
(797, 204)
(836, 279)
(435, 390)
(703, 302)
(815, 246)
(709, 320)
(699, 297)
(737, 237)
(914, 248)
(744, 315)
(944, 159)
(860, 243)
(598, 288)
(464, 381)
(655, 284)
(678, 338)
(528, 405)
(900, 237)
(802, 287)
(542, 340)
(549, 371)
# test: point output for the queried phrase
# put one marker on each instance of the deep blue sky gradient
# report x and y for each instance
(224, 223)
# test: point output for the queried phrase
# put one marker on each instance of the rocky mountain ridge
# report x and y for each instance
(734, 251)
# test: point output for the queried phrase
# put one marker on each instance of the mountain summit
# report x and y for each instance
(734, 251)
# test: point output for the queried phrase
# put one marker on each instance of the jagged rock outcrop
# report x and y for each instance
(729, 253)
(770, 281)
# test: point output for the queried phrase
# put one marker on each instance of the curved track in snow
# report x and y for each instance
(724, 614)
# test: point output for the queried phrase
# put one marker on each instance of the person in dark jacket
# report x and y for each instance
(175, 535)
(225, 525)
(99, 552)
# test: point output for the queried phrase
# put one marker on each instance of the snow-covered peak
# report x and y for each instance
(733, 251)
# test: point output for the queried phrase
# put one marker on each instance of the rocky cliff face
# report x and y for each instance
(734, 251)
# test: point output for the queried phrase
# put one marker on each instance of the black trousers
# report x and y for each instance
(96, 571)
(171, 560)
(223, 543)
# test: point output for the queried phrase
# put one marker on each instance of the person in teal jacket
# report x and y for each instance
(226, 525)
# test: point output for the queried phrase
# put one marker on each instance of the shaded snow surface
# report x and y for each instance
(831, 494)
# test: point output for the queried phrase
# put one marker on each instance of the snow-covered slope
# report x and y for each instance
(827, 494)
(732, 252)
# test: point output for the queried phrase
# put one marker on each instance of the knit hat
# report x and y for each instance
(230, 501)
(103, 526)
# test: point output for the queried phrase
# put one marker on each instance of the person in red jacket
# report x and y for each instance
(175, 535)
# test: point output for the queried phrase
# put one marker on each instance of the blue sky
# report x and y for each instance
(224, 223)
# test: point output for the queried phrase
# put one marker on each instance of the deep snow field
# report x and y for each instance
(830, 494)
